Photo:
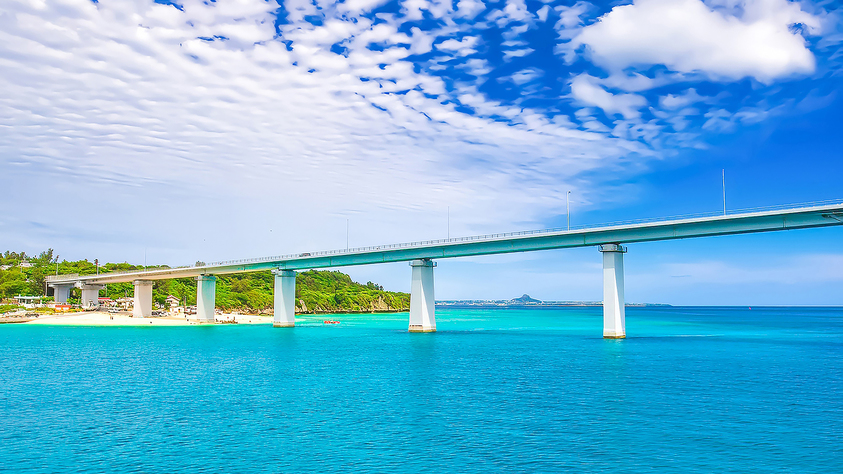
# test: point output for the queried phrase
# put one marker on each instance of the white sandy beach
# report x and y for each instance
(98, 318)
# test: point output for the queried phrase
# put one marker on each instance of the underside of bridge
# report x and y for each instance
(422, 301)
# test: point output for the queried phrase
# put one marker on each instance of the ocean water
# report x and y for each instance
(539, 390)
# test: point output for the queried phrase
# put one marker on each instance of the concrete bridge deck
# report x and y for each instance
(764, 221)
(607, 239)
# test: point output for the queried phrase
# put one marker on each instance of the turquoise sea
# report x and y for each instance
(538, 390)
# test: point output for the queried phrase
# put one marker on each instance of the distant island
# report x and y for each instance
(525, 301)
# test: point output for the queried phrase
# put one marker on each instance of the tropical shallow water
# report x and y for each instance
(690, 389)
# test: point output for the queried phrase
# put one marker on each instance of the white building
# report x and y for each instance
(173, 304)
(28, 302)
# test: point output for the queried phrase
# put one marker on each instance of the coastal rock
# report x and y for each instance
(379, 305)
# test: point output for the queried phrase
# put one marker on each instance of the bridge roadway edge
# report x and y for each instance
(799, 218)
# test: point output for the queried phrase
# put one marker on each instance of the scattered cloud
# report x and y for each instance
(469, 8)
(463, 47)
(215, 106)
(585, 90)
(673, 102)
(690, 37)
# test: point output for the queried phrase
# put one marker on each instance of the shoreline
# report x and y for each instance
(100, 318)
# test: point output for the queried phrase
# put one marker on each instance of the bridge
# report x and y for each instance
(609, 240)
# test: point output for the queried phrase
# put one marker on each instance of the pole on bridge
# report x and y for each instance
(614, 311)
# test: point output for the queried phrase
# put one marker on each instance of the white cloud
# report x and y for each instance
(689, 37)
(358, 6)
(636, 82)
(469, 8)
(542, 13)
(674, 102)
(513, 11)
(421, 42)
(523, 76)
(796, 269)
(516, 53)
(570, 17)
(747, 277)
(251, 140)
(584, 89)
(463, 47)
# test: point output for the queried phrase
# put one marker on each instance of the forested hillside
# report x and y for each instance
(316, 291)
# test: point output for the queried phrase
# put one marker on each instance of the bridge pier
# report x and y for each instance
(614, 311)
(61, 292)
(206, 295)
(142, 305)
(91, 295)
(422, 303)
(285, 299)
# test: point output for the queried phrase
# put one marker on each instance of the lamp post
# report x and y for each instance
(568, 207)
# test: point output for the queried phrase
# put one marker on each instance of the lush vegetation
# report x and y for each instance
(5, 308)
(316, 291)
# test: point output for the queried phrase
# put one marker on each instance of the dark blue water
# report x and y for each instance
(691, 389)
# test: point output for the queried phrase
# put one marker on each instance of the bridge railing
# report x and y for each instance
(103, 273)
(69, 276)
(489, 237)
(475, 238)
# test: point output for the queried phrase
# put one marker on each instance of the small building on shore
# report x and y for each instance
(28, 302)
(172, 304)
(125, 303)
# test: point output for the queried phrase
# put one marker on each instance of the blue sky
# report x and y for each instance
(197, 130)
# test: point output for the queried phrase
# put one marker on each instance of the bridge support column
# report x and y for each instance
(91, 295)
(61, 293)
(614, 311)
(206, 295)
(142, 307)
(422, 309)
(285, 299)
